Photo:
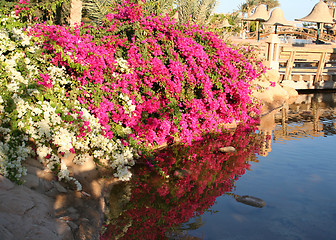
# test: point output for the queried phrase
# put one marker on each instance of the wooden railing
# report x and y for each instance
(295, 31)
(307, 60)
(317, 63)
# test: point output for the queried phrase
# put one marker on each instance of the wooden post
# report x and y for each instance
(272, 54)
(284, 120)
(289, 66)
(320, 67)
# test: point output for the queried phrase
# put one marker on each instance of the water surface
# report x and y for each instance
(289, 162)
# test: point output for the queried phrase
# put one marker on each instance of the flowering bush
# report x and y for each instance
(198, 174)
(131, 83)
(31, 108)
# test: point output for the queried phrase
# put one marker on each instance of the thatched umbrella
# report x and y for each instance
(319, 14)
(277, 18)
(260, 15)
(226, 23)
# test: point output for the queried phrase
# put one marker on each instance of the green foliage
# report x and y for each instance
(7, 6)
(217, 21)
(157, 7)
(198, 11)
(54, 12)
(95, 10)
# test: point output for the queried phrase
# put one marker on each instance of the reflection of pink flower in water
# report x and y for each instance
(163, 190)
(198, 174)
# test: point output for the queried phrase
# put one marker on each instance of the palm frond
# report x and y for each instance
(198, 11)
(204, 10)
(158, 6)
(97, 9)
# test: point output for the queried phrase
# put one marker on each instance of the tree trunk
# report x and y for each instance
(76, 12)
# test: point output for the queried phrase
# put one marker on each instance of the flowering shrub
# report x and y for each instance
(198, 174)
(131, 83)
(180, 82)
(35, 103)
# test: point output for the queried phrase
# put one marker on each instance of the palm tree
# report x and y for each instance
(75, 12)
(157, 7)
(198, 11)
(249, 5)
(270, 3)
(96, 10)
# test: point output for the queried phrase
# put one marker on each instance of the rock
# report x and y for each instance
(41, 233)
(5, 234)
(72, 210)
(59, 187)
(64, 230)
(32, 169)
(72, 225)
(252, 201)
(87, 232)
(290, 91)
(227, 149)
(32, 162)
(5, 184)
(31, 181)
(45, 174)
(271, 75)
(14, 202)
(52, 193)
(45, 185)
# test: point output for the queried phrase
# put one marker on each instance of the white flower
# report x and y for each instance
(27, 61)
(31, 49)
(36, 111)
(43, 151)
(13, 87)
(64, 172)
(63, 139)
(123, 173)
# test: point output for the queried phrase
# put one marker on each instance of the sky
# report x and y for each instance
(292, 9)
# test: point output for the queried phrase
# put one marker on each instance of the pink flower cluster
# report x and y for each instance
(158, 205)
(21, 6)
(183, 81)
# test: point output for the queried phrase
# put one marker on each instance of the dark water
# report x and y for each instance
(289, 162)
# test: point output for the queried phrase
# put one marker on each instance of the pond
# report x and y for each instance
(287, 162)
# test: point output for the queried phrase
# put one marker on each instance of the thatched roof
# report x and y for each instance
(260, 14)
(277, 18)
(319, 14)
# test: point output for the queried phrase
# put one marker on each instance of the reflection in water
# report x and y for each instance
(309, 116)
(170, 205)
(192, 178)
(312, 115)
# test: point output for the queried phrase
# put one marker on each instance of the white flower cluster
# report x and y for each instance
(12, 152)
(129, 107)
(119, 157)
(20, 37)
(122, 65)
(2, 108)
(42, 119)
(57, 75)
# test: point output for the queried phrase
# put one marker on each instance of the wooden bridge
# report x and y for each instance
(306, 66)
(302, 33)
(309, 67)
